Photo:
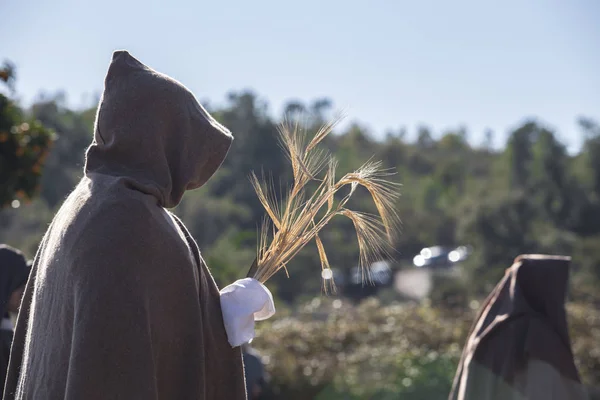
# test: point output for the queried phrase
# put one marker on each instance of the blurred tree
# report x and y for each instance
(424, 138)
(488, 140)
(519, 155)
(499, 228)
(531, 196)
(24, 145)
(64, 166)
(319, 109)
(294, 110)
(8, 75)
(550, 179)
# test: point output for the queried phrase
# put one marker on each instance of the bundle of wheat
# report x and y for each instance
(297, 219)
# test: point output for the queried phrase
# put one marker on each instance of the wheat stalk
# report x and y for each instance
(297, 219)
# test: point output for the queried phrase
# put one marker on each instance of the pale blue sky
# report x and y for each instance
(476, 63)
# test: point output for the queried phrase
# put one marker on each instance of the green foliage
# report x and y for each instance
(64, 166)
(532, 196)
(333, 350)
(24, 145)
(229, 255)
(584, 324)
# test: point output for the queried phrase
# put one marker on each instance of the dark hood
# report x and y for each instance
(523, 319)
(543, 282)
(151, 130)
(14, 272)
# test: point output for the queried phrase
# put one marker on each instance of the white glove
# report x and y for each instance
(243, 302)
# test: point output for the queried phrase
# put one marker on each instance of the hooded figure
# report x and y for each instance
(120, 304)
(14, 272)
(519, 346)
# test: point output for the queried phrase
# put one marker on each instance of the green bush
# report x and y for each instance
(329, 349)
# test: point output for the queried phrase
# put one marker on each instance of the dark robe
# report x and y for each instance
(120, 304)
(254, 369)
(13, 274)
(519, 346)
(6, 337)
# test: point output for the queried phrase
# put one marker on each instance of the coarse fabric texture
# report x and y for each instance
(115, 307)
(519, 346)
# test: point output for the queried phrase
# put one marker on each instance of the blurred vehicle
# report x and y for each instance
(363, 283)
(378, 274)
(441, 256)
(459, 254)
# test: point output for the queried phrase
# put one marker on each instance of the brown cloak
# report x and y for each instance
(120, 304)
(519, 346)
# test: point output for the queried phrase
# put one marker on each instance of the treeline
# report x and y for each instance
(531, 196)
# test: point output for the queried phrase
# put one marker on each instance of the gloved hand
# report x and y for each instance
(243, 302)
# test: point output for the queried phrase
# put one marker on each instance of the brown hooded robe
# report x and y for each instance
(519, 346)
(120, 304)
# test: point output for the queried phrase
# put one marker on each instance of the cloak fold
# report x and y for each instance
(116, 308)
(519, 346)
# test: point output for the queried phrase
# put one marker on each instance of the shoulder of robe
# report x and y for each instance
(122, 238)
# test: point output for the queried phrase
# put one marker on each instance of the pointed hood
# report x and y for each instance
(151, 131)
(14, 272)
(523, 319)
(543, 282)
